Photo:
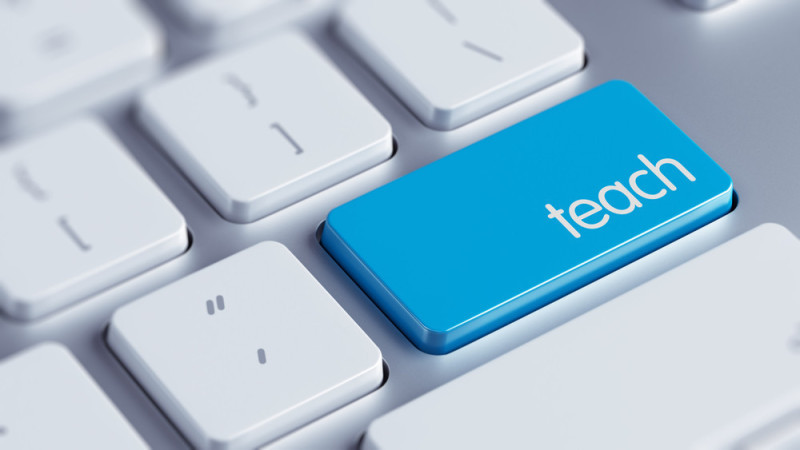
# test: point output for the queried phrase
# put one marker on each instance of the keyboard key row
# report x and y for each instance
(600, 364)
(463, 60)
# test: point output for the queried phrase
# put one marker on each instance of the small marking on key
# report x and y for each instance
(2, 431)
(210, 307)
(297, 149)
(243, 88)
(27, 183)
(443, 11)
(64, 224)
(483, 51)
(262, 356)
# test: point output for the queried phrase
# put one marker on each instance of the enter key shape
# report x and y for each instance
(488, 234)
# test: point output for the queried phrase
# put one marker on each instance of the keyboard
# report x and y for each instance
(388, 224)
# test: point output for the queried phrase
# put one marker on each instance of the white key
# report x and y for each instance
(60, 56)
(79, 215)
(705, 4)
(48, 401)
(452, 61)
(265, 127)
(703, 357)
(220, 22)
(245, 350)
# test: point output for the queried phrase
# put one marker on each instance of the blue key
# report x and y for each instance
(488, 234)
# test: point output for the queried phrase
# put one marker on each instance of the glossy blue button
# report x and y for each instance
(475, 240)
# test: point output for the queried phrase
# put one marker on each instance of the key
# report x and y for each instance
(60, 57)
(451, 61)
(47, 400)
(490, 233)
(268, 126)
(698, 358)
(220, 22)
(79, 216)
(262, 349)
(705, 4)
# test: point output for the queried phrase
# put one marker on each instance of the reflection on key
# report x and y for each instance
(492, 232)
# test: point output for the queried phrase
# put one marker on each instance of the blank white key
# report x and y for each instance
(60, 56)
(48, 401)
(706, 356)
(225, 21)
(452, 61)
(245, 350)
(265, 126)
(78, 215)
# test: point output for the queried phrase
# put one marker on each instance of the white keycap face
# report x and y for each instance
(262, 349)
(706, 356)
(59, 56)
(47, 400)
(266, 126)
(452, 61)
(79, 215)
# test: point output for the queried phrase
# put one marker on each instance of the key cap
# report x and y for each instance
(47, 400)
(59, 57)
(262, 349)
(705, 4)
(672, 364)
(78, 217)
(492, 232)
(220, 22)
(451, 62)
(268, 126)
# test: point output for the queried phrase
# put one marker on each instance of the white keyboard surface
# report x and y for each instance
(675, 363)
(166, 170)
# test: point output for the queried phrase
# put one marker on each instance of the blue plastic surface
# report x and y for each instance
(468, 243)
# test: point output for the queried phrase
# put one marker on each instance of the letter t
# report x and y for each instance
(557, 214)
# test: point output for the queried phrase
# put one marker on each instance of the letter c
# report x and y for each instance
(638, 190)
